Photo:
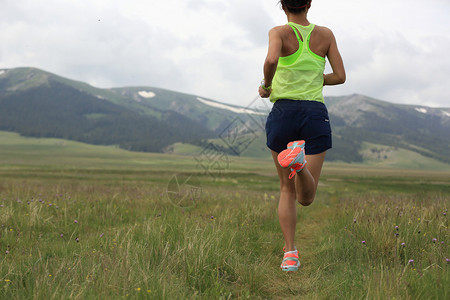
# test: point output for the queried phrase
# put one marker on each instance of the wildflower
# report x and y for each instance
(7, 252)
(212, 218)
(396, 227)
(354, 220)
(102, 234)
(77, 239)
(447, 260)
(396, 234)
(411, 261)
(442, 243)
(75, 221)
(7, 280)
(444, 213)
(61, 235)
(434, 240)
(363, 242)
(403, 244)
(49, 204)
(149, 291)
(138, 289)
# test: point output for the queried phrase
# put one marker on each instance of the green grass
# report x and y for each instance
(385, 156)
(94, 222)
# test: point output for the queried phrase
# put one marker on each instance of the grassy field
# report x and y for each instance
(85, 222)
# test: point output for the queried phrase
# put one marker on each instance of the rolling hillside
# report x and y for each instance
(40, 104)
(420, 129)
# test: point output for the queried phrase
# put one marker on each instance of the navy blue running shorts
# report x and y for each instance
(292, 120)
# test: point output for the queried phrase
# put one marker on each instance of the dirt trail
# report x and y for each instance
(303, 284)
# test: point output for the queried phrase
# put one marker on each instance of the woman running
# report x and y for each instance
(298, 128)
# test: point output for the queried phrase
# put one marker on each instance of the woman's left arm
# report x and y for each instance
(337, 65)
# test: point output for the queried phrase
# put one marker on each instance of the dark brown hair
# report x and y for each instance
(294, 6)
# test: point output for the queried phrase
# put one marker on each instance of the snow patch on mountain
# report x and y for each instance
(238, 110)
(421, 110)
(146, 94)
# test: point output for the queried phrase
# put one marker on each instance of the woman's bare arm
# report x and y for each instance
(271, 62)
(337, 65)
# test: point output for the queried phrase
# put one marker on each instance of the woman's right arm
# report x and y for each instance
(271, 62)
(337, 65)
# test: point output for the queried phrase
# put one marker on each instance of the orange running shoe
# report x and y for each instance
(293, 157)
(290, 262)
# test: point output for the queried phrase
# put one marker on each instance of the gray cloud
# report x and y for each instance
(102, 47)
(252, 19)
(391, 67)
(216, 48)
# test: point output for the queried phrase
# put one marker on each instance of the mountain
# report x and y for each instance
(40, 104)
(358, 119)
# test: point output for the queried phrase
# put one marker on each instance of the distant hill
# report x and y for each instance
(358, 119)
(40, 104)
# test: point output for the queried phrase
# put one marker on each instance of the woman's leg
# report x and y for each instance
(287, 208)
(306, 181)
(302, 187)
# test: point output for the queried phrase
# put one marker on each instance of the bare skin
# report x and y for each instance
(283, 42)
(303, 188)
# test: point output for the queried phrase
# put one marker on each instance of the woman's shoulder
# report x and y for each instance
(286, 28)
(283, 32)
(323, 31)
(281, 29)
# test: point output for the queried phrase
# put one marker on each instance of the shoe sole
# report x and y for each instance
(290, 268)
(286, 156)
(300, 143)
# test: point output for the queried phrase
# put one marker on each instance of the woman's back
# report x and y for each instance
(319, 42)
(299, 74)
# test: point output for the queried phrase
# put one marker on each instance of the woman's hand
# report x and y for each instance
(264, 93)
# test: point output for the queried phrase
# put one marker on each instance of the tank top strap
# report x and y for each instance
(296, 32)
(305, 32)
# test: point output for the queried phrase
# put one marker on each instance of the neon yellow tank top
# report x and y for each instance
(299, 76)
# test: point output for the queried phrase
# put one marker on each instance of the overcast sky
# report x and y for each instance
(393, 50)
